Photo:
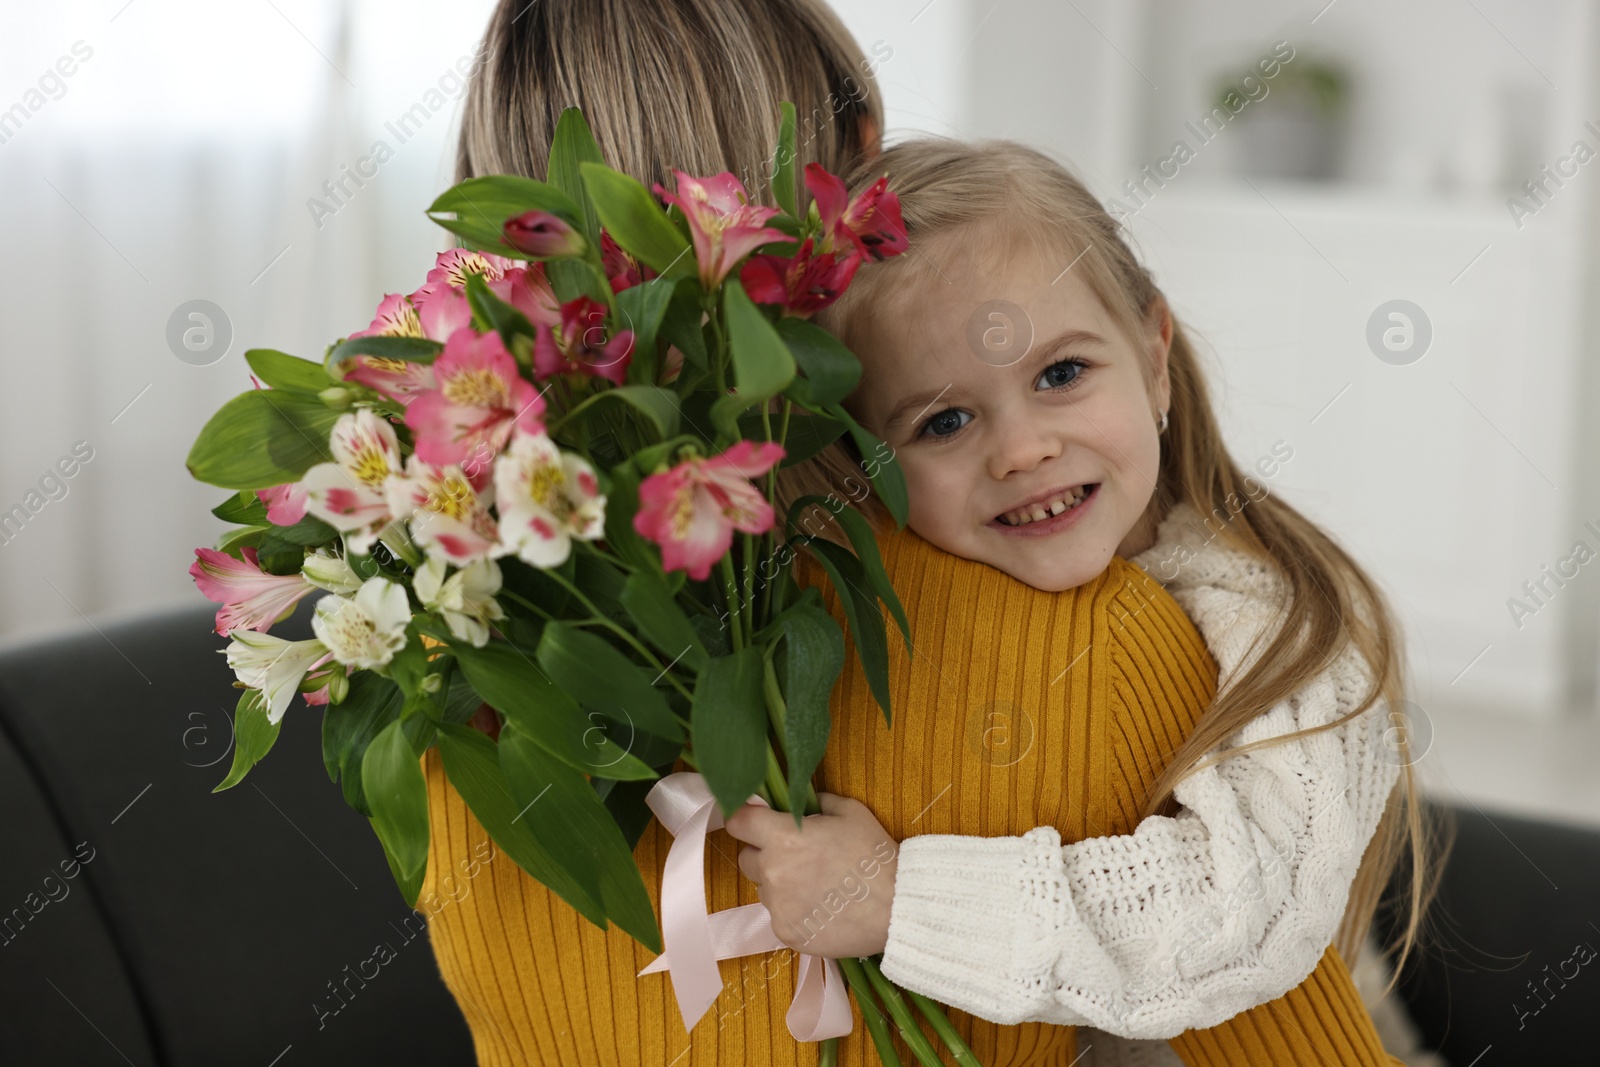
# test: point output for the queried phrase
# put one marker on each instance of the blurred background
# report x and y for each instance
(1378, 219)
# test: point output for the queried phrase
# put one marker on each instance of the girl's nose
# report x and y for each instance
(1021, 444)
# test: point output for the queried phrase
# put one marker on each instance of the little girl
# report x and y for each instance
(1090, 436)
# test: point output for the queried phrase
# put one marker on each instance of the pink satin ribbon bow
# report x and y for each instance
(694, 941)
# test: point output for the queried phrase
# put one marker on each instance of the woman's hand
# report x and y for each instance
(828, 885)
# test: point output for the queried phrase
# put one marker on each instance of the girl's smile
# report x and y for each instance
(1042, 464)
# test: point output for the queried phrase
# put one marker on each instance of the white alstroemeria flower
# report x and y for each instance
(448, 514)
(348, 493)
(466, 598)
(273, 665)
(330, 572)
(366, 630)
(547, 499)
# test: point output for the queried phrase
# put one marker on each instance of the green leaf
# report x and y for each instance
(813, 660)
(349, 727)
(636, 221)
(642, 309)
(681, 327)
(831, 370)
(730, 727)
(397, 792)
(569, 819)
(658, 405)
(866, 546)
(600, 677)
(622, 502)
(807, 434)
(783, 187)
(509, 682)
(309, 531)
(867, 626)
(262, 438)
(762, 364)
(282, 371)
(253, 737)
(575, 277)
(660, 619)
(492, 313)
(880, 464)
(572, 145)
(240, 537)
(242, 507)
(477, 209)
(473, 767)
(410, 349)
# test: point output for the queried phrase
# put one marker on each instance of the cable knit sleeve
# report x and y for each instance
(1188, 920)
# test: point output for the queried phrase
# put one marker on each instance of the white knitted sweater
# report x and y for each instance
(1188, 920)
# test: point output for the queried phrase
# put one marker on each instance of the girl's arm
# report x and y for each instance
(1188, 920)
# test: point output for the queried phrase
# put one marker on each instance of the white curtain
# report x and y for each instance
(175, 162)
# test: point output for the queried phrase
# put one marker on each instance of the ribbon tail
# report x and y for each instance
(821, 1006)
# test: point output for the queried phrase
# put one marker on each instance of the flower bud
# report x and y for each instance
(338, 686)
(541, 234)
(431, 683)
(330, 572)
(336, 397)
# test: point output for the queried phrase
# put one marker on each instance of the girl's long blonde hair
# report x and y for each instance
(1331, 602)
(687, 84)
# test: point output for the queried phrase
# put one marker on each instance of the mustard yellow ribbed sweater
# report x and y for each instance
(1021, 708)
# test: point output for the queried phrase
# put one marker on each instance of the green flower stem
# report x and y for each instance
(777, 708)
(947, 1032)
(777, 787)
(729, 585)
(871, 1014)
(649, 657)
(530, 605)
(828, 1053)
(904, 1021)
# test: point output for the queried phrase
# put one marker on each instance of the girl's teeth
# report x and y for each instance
(1036, 512)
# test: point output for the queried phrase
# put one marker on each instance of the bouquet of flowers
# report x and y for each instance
(540, 490)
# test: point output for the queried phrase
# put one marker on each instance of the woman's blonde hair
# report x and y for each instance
(946, 185)
(687, 84)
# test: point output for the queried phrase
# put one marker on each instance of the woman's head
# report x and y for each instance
(1016, 363)
(691, 84)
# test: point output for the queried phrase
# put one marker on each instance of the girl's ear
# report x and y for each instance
(1159, 331)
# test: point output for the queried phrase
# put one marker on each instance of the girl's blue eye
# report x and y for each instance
(1052, 376)
(944, 423)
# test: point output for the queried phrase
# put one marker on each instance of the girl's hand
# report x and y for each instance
(828, 885)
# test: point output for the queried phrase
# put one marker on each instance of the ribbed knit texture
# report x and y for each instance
(1019, 709)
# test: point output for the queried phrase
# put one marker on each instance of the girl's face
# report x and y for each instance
(1038, 458)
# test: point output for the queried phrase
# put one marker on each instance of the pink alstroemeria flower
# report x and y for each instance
(803, 283)
(622, 270)
(395, 317)
(450, 270)
(348, 493)
(436, 316)
(528, 290)
(580, 344)
(251, 599)
(479, 399)
(449, 515)
(870, 223)
(692, 510)
(539, 233)
(286, 504)
(726, 227)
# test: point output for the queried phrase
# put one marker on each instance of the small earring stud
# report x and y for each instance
(1161, 427)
